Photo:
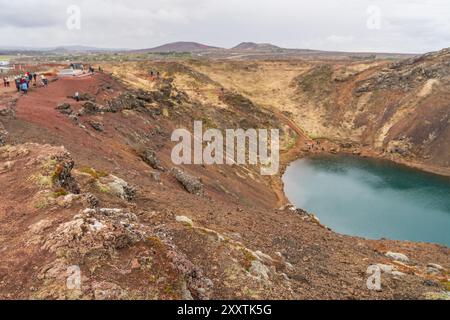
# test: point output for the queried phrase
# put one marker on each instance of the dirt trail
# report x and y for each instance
(57, 92)
(286, 157)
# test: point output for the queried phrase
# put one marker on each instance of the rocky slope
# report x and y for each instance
(93, 208)
(400, 109)
(395, 110)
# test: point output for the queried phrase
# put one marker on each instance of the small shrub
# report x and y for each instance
(248, 259)
(94, 173)
(42, 181)
(57, 173)
(102, 188)
(447, 285)
(41, 204)
(60, 193)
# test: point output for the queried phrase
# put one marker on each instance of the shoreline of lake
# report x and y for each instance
(401, 204)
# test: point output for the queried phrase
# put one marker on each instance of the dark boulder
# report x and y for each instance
(151, 159)
(190, 183)
(65, 108)
(90, 108)
(62, 177)
(98, 126)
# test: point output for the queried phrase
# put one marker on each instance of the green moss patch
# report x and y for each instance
(94, 173)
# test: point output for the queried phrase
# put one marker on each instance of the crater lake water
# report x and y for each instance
(372, 198)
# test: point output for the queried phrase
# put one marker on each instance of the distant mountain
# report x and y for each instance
(58, 50)
(181, 46)
(244, 49)
(252, 46)
(76, 48)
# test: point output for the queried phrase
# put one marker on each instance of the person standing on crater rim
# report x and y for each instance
(17, 81)
(24, 87)
(44, 80)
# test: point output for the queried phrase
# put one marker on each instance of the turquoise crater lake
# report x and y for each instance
(372, 198)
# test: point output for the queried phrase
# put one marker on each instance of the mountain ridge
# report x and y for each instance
(180, 46)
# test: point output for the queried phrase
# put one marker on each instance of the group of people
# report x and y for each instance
(24, 81)
(80, 66)
(154, 75)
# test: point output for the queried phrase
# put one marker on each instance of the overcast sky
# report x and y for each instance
(349, 25)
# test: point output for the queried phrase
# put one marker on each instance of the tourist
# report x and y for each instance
(34, 77)
(4, 82)
(17, 81)
(44, 80)
(24, 87)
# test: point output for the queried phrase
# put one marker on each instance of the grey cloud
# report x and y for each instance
(407, 26)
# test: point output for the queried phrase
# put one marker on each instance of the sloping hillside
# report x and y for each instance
(401, 110)
(93, 207)
(395, 110)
